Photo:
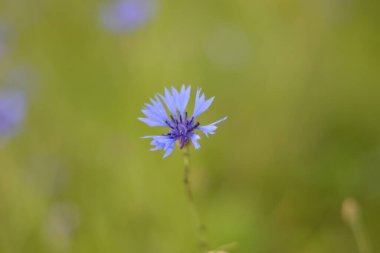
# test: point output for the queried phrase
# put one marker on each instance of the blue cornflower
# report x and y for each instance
(12, 111)
(127, 15)
(181, 126)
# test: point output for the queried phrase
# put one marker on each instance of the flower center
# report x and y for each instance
(181, 128)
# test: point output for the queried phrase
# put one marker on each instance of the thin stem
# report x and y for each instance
(201, 228)
(361, 238)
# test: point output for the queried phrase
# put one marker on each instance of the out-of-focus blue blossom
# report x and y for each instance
(12, 111)
(127, 15)
(181, 127)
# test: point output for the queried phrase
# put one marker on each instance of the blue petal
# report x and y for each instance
(176, 98)
(155, 113)
(149, 122)
(201, 104)
(209, 129)
(170, 102)
(177, 101)
(184, 99)
(194, 139)
(162, 142)
(169, 149)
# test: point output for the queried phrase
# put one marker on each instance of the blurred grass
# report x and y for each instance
(299, 83)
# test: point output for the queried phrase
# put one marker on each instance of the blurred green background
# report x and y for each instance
(299, 81)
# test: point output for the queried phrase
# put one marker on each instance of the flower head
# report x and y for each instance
(181, 126)
(12, 110)
(127, 15)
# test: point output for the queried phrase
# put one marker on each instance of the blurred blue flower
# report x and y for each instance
(127, 15)
(181, 127)
(12, 111)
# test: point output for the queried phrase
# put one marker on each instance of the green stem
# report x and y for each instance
(201, 228)
(360, 237)
(352, 215)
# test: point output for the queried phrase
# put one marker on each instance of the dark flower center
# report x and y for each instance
(181, 128)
